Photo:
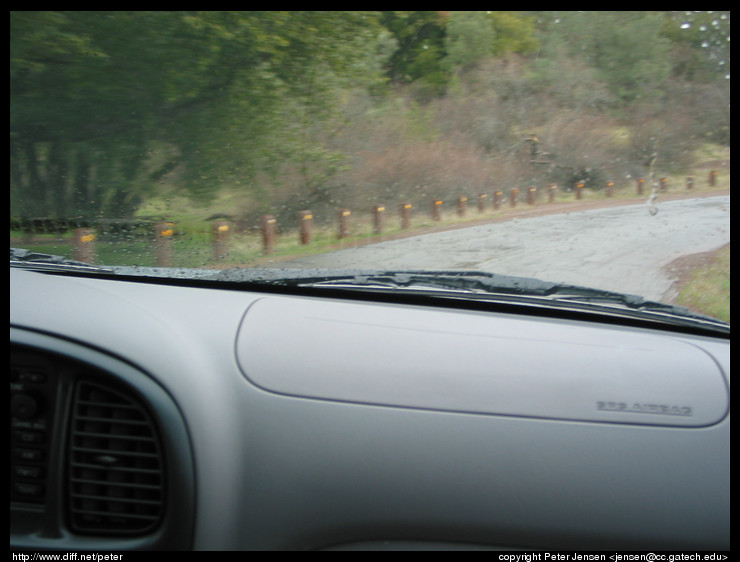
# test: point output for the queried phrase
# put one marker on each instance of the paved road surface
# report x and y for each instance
(619, 248)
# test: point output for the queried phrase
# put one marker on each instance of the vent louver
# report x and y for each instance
(116, 472)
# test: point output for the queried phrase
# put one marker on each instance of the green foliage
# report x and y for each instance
(700, 43)
(432, 46)
(420, 37)
(626, 49)
(106, 107)
(514, 32)
(470, 39)
(96, 87)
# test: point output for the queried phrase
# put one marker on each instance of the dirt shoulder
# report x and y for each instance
(682, 270)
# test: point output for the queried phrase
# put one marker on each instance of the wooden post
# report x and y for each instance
(164, 234)
(84, 245)
(531, 192)
(344, 223)
(305, 222)
(268, 234)
(514, 196)
(378, 211)
(436, 206)
(482, 202)
(221, 231)
(405, 209)
(462, 205)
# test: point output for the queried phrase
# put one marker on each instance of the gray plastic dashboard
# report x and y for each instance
(325, 423)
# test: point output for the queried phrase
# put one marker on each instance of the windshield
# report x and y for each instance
(580, 148)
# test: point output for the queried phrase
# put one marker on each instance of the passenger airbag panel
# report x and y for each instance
(478, 363)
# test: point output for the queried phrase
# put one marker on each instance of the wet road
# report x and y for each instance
(619, 248)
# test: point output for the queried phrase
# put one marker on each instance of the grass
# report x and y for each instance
(706, 289)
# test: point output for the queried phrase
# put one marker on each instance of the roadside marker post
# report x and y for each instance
(514, 196)
(436, 206)
(305, 220)
(220, 234)
(482, 202)
(84, 245)
(378, 211)
(640, 186)
(462, 205)
(344, 215)
(164, 234)
(268, 226)
(405, 209)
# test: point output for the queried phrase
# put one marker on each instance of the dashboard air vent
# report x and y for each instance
(116, 469)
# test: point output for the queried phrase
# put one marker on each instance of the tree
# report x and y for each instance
(701, 44)
(514, 32)
(93, 93)
(420, 37)
(626, 48)
(469, 40)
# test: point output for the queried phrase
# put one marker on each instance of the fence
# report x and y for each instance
(161, 234)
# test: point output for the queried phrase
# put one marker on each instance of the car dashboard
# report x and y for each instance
(157, 415)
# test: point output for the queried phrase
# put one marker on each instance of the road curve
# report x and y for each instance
(616, 248)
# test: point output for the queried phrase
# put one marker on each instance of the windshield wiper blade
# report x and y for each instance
(471, 286)
(465, 281)
(481, 286)
(47, 262)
